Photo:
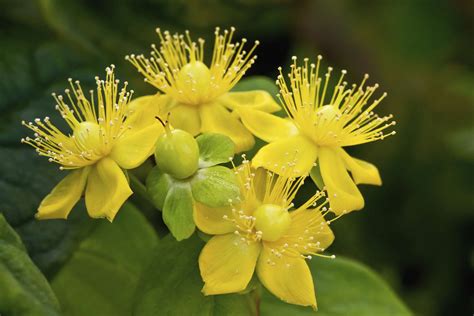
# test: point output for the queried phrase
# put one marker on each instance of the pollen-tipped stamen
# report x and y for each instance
(306, 94)
(164, 68)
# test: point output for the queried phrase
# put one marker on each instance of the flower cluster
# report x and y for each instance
(248, 209)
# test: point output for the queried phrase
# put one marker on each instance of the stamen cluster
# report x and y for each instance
(96, 123)
(345, 118)
(164, 68)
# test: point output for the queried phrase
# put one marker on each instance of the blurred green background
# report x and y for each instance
(416, 230)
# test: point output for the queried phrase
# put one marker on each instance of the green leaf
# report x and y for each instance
(171, 285)
(26, 180)
(102, 274)
(343, 287)
(178, 210)
(214, 186)
(214, 149)
(317, 177)
(158, 184)
(31, 70)
(23, 289)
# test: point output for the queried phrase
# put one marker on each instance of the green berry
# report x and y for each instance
(177, 153)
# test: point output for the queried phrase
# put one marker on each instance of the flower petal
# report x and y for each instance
(211, 220)
(64, 196)
(297, 151)
(267, 126)
(135, 147)
(344, 196)
(145, 109)
(311, 221)
(362, 171)
(107, 189)
(288, 278)
(186, 117)
(215, 118)
(227, 264)
(256, 99)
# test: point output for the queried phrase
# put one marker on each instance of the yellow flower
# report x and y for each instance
(197, 96)
(102, 143)
(318, 126)
(258, 232)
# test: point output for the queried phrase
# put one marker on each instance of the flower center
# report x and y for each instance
(327, 127)
(87, 136)
(272, 220)
(194, 79)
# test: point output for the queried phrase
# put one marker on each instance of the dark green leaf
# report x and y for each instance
(158, 184)
(32, 70)
(23, 289)
(343, 287)
(178, 210)
(172, 285)
(214, 149)
(50, 242)
(102, 274)
(215, 186)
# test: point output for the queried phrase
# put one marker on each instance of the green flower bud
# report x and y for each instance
(177, 153)
(272, 220)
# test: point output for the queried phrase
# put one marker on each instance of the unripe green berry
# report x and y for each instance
(177, 153)
(272, 220)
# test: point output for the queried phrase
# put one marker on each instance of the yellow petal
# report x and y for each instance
(215, 118)
(211, 220)
(257, 99)
(342, 192)
(64, 196)
(186, 117)
(310, 225)
(287, 277)
(107, 189)
(296, 150)
(362, 171)
(135, 147)
(227, 264)
(145, 109)
(267, 126)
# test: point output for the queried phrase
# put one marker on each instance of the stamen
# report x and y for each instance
(352, 122)
(228, 64)
(86, 117)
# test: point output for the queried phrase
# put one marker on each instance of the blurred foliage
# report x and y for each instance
(106, 266)
(171, 285)
(416, 230)
(21, 279)
(363, 293)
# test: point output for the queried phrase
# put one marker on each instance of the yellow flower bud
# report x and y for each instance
(87, 134)
(272, 220)
(194, 78)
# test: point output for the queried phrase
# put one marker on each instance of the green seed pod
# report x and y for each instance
(177, 153)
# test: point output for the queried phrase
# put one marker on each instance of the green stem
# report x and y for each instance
(139, 189)
(144, 203)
